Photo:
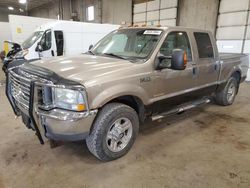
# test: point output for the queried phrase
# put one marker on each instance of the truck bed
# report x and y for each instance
(225, 56)
(232, 60)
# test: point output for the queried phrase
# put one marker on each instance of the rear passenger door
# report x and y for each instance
(207, 68)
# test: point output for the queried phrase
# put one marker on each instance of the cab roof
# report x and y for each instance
(165, 28)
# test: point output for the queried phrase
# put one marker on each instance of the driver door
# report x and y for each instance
(48, 47)
(174, 86)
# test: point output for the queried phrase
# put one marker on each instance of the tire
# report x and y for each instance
(109, 139)
(223, 97)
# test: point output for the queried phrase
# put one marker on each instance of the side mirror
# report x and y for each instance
(179, 59)
(91, 46)
(162, 64)
(39, 48)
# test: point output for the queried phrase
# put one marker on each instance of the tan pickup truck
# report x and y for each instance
(131, 75)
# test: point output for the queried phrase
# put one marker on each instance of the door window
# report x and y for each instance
(59, 42)
(46, 40)
(204, 45)
(175, 40)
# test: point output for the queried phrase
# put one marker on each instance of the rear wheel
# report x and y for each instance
(114, 131)
(227, 95)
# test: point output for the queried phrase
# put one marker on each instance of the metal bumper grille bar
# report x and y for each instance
(20, 89)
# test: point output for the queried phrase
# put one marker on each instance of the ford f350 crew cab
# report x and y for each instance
(130, 75)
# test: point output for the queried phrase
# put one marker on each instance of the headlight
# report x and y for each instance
(69, 99)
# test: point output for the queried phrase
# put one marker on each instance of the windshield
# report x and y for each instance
(32, 39)
(128, 43)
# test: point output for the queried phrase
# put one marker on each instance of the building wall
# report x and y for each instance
(3, 16)
(4, 13)
(78, 6)
(117, 11)
(233, 28)
(106, 11)
(97, 8)
(156, 12)
(198, 14)
(5, 34)
(50, 10)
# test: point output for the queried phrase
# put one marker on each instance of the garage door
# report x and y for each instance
(163, 12)
(233, 27)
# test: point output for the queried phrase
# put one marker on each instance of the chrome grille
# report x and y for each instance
(20, 89)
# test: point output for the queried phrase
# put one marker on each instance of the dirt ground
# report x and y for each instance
(205, 147)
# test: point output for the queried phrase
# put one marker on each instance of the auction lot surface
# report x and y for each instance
(205, 147)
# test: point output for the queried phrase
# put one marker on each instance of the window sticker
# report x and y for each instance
(152, 32)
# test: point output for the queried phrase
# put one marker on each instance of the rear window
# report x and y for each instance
(204, 45)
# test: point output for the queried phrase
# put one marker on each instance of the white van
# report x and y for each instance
(63, 38)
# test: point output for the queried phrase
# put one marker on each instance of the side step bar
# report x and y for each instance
(182, 108)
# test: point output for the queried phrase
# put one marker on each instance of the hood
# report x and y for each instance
(84, 67)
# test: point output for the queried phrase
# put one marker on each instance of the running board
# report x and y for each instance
(181, 108)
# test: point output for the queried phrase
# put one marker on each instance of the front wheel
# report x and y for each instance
(114, 131)
(227, 95)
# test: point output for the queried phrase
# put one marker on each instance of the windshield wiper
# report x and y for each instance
(90, 52)
(114, 55)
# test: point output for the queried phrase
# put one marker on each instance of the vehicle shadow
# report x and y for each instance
(149, 127)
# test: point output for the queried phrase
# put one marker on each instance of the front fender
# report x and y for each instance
(117, 91)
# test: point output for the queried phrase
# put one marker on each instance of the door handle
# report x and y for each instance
(215, 67)
(194, 70)
(52, 53)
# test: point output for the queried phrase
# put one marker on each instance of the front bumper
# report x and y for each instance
(65, 125)
(55, 124)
